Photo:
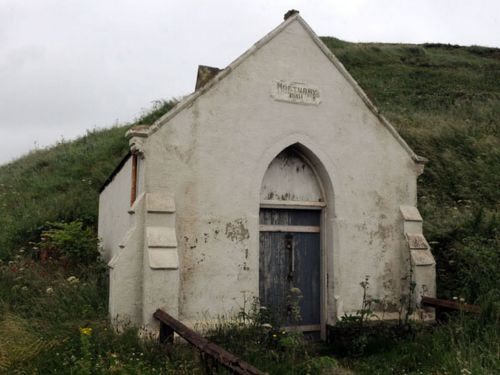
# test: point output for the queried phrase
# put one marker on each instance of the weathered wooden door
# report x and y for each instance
(290, 261)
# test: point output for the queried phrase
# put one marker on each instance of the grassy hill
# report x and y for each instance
(61, 182)
(443, 99)
(445, 102)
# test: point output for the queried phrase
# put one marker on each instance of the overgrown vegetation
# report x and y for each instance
(445, 102)
(465, 345)
(71, 242)
(61, 183)
(53, 320)
(255, 335)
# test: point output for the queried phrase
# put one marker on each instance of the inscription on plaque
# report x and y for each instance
(296, 92)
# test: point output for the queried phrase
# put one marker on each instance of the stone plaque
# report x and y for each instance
(296, 92)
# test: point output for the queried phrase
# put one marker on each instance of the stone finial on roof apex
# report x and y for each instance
(290, 13)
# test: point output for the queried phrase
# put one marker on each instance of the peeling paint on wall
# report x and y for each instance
(237, 230)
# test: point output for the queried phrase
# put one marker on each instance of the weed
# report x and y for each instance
(361, 332)
(60, 183)
(250, 335)
(69, 241)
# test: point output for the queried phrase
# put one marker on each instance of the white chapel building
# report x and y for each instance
(276, 173)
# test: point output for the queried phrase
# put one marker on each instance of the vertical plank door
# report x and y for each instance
(290, 261)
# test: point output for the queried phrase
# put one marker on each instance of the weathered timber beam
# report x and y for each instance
(436, 302)
(169, 324)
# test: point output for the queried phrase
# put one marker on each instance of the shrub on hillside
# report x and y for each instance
(71, 241)
(61, 182)
(467, 256)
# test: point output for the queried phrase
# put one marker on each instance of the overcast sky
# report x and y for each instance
(71, 65)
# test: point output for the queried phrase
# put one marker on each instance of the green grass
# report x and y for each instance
(61, 182)
(43, 307)
(463, 346)
(445, 102)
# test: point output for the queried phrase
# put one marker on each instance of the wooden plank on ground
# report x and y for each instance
(228, 360)
(443, 303)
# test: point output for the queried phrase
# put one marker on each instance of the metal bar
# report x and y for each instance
(289, 247)
(289, 228)
(226, 359)
(297, 205)
(436, 302)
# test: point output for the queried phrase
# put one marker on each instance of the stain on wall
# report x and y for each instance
(237, 230)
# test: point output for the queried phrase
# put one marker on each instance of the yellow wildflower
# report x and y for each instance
(86, 331)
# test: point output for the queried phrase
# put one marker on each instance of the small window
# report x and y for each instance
(134, 182)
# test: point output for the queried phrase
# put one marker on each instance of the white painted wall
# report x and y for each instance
(209, 161)
(114, 204)
(212, 156)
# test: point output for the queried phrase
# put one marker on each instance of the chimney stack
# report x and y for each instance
(290, 13)
(205, 74)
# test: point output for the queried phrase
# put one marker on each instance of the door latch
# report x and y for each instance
(289, 247)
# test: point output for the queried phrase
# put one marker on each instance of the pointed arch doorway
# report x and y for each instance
(290, 258)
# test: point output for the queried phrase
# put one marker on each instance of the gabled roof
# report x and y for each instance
(188, 100)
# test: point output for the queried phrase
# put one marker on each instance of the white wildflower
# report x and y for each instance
(72, 280)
